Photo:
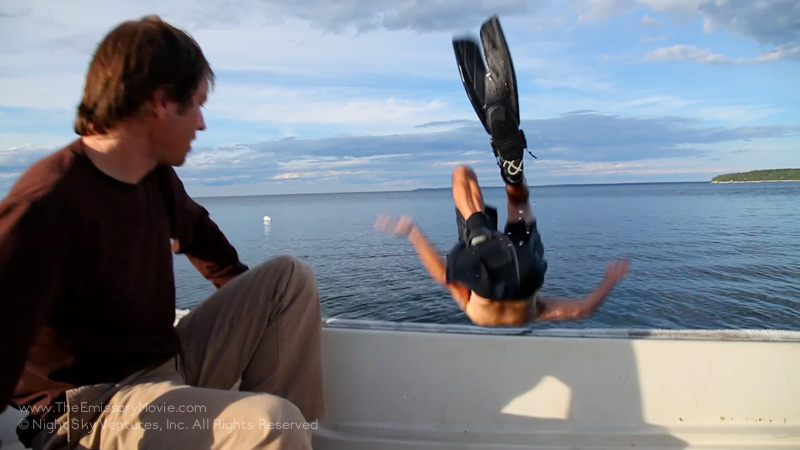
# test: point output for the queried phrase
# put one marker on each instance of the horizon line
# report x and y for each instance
(449, 187)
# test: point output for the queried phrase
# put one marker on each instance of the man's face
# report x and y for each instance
(178, 127)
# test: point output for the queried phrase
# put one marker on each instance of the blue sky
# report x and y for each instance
(364, 95)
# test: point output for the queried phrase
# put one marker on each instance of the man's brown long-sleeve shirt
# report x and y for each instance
(87, 291)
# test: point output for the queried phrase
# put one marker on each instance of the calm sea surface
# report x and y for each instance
(716, 256)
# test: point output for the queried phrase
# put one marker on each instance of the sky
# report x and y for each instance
(364, 95)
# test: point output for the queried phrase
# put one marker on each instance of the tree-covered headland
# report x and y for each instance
(759, 175)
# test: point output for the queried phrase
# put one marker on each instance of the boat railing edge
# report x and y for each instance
(605, 333)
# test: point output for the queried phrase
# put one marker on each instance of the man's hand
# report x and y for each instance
(398, 227)
(617, 269)
(406, 228)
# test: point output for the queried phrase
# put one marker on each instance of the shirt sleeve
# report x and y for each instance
(33, 270)
(199, 238)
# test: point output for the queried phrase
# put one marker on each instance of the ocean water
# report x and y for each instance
(703, 256)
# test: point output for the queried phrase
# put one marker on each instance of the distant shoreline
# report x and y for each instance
(756, 181)
(759, 176)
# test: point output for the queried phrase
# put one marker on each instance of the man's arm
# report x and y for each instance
(430, 258)
(197, 236)
(560, 309)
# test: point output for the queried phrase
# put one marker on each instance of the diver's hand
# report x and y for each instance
(398, 227)
(617, 269)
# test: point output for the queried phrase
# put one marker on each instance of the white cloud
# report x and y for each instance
(226, 155)
(780, 53)
(21, 155)
(420, 15)
(736, 114)
(650, 22)
(331, 162)
(229, 179)
(563, 168)
(662, 104)
(686, 53)
(324, 105)
(597, 10)
(768, 22)
(703, 56)
(707, 110)
(288, 176)
(575, 81)
(319, 175)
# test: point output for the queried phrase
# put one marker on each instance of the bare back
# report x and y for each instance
(485, 312)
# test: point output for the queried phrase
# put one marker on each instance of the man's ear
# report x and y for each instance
(159, 102)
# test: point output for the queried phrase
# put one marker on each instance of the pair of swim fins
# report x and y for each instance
(492, 90)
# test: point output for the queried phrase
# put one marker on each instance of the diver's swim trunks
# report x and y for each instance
(508, 266)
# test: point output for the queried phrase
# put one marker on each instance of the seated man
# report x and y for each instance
(495, 277)
(87, 292)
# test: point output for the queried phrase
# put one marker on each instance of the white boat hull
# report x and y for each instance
(405, 386)
(413, 386)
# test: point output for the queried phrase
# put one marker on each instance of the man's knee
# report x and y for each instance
(288, 278)
(289, 266)
(298, 267)
(284, 421)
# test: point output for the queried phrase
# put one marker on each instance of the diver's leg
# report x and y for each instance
(466, 192)
(474, 223)
(521, 229)
(519, 205)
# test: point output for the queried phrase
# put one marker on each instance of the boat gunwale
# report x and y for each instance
(748, 335)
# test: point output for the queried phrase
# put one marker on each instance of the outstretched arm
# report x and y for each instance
(560, 309)
(433, 263)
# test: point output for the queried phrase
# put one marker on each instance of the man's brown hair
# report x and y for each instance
(130, 64)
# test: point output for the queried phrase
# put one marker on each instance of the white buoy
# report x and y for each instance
(267, 219)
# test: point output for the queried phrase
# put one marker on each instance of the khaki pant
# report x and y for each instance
(262, 328)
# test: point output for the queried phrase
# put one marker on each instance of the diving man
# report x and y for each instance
(495, 276)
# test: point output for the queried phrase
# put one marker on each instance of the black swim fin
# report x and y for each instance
(473, 75)
(498, 86)
(501, 81)
(493, 94)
